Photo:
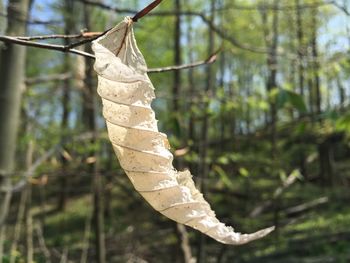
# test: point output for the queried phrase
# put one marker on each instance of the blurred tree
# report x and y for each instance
(12, 75)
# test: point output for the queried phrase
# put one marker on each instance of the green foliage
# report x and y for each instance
(287, 98)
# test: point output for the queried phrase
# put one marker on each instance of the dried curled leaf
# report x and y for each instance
(142, 150)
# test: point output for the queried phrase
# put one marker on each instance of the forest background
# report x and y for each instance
(265, 129)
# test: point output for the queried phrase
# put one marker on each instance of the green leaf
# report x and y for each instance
(297, 101)
(223, 176)
(287, 97)
(244, 172)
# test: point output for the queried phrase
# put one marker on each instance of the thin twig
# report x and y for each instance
(19, 186)
(306, 206)
(86, 238)
(42, 244)
(146, 10)
(208, 61)
(217, 29)
(32, 21)
(56, 36)
(285, 185)
(61, 48)
(17, 231)
(54, 77)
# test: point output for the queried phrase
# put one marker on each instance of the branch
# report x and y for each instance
(41, 79)
(32, 21)
(31, 170)
(146, 10)
(306, 206)
(108, 7)
(68, 48)
(26, 41)
(56, 36)
(201, 15)
(217, 29)
(275, 8)
(208, 61)
(262, 207)
(225, 8)
(62, 48)
(341, 8)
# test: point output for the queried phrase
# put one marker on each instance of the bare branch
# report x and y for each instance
(41, 79)
(286, 7)
(285, 185)
(146, 10)
(108, 7)
(342, 8)
(61, 48)
(32, 21)
(225, 8)
(208, 61)
(60, 36)
(306, 206)
(67, 48)
(31, 170)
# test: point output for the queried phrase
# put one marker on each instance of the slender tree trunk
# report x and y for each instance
(272, 71)
(89, 120)
(203, 168)
(3, 20)
(316, 66)
(180, 230)
(326, 160)
(69, 25)
(28, 214)
(301, 80)
(12, 73)
(177, 56)
(191, 91)
(300, 36)
(341, 91)
(311, 94)
(222, 102)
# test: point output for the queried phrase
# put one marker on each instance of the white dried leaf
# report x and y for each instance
(142, 150)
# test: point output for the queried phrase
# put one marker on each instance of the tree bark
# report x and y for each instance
(316, 66)
(69, 26)
(326, 161)
(191, 93)
(272, 71)
(28, 213)
(12, 75)
(3, 21)
(203, 166)
(89, 112)
(177, 57)
(180, 230)
(300, 36)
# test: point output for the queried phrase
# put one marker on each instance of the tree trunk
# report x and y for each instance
(69, 25)
(301, 81)
(326, 161)
(12, 73)
(316, 66)
(180, 230)
(272, 71)
(177, 57)
(28, 213)
(222, 102)
(191, 93)
(203, 166)
(89, 112)
(3, 21)
(300, 36)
